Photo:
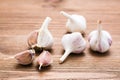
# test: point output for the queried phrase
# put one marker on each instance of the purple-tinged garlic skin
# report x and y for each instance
(32, 38)
(44, 59)
(75, 23)
(25, 57)
(73, 42)
(100, 40)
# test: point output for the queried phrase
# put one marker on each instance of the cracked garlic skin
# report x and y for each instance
(25, 57)
(75, 23)
(72, 43)
(100, 40)
(41, 38)
(44, 59)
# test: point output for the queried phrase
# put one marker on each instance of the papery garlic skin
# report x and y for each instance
(75, 23)
(73, 42)
(41, 38)
(25, 57)
(44, 59)
(45, 38)
(32, 38)
(100, 40)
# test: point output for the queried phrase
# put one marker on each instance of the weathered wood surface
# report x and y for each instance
(19, 17)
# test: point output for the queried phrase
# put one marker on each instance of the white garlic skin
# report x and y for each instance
(73, 42)
(104, 43)
(75, 23)
(26, 57)
(45, 38)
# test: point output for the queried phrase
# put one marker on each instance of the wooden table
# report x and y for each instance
(19, 17)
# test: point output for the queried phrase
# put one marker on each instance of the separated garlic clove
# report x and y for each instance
(32, 38)
(73, 42)
(41, 38)
(25, 57)
(100, 40)
(75, 23)
(44, 59)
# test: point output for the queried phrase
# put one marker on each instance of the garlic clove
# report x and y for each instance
(100, 40)
(73, 42)
(32, 38)
(75, 23)
(25, 57)
(45, 38)
(41, 38)
(44, 59)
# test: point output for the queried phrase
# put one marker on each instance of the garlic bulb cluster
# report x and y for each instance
(73, 42)
(75, 23)
(25, 57)
(44, 59)
(41, 38)
(100, 40)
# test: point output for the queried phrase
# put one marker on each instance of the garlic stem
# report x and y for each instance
(99, 31)
(40, 66)
(66, 14)
(67, 52)
(45, 23)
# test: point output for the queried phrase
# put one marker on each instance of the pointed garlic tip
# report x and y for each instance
(40, 66)
(62, 59)
(65, 14)
(46, 22)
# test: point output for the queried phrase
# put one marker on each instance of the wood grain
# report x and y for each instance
(19, 17)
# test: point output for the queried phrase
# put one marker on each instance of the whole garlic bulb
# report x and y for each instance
(41, 38)
(73, 42)
(100, 40)
(44, 59)
(25, 57)
(75, 23)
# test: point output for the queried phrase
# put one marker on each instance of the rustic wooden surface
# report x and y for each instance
(19, 17)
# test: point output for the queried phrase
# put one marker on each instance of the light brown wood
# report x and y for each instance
(19, 17)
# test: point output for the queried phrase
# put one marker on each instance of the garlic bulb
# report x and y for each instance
(41, 38)
(100, 40)
(44, 59)
(73, 42)
(25, 57)
(75, 23)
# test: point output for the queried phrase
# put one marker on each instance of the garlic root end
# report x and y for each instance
(65, 55)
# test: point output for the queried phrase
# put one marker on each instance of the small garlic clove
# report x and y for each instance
(100, 40)
(32, 38)
(25, 57)
(73, 42)
(75, 23)
(44, 59)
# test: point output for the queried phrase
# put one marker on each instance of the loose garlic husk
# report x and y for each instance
(100, 40)
(41, 38)
(25, 57)
(75, 23)
(73, 42)
(44, 59)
